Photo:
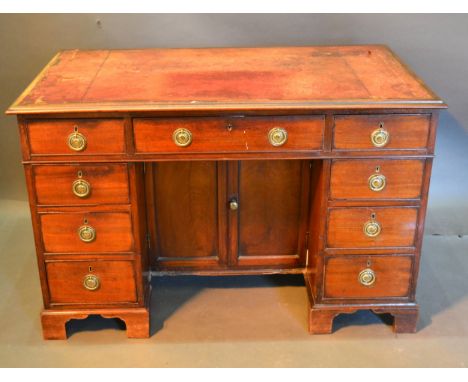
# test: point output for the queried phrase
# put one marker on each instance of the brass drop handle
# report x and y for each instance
(233, 205)
(182, 137)
(81, 187)
(76, 141)
(377, 182)
(367, 277)
(86, 233)
(380, 136)
(91, 282)
(372, 228)
(277, 136)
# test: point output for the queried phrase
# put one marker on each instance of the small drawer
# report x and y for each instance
(76, 136)
(79, 184)
(376, 179)
(371, 227)
(215, 135)
(363, 277)
(87, 232)
(381, 132)
(91, 282)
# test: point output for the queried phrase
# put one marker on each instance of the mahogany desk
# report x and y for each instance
(311, 160)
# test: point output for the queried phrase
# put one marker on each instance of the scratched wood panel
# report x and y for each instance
(270, 207)
(154, 135)
(350, 178)
(108, 183)
(113, 232)
(186, 209)
(116, 281)
(345, 227)
(192, 77)
(392, 276)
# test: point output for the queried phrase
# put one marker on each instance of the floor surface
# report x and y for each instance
(242, 321)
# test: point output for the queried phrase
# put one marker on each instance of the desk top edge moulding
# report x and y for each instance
(227, 161)
(309, 78)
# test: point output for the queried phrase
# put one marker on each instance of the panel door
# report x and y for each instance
(268, 228)
(187, 223)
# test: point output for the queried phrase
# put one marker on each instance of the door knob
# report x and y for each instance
(233, 204)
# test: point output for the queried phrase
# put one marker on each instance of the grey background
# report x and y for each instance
(434, 46)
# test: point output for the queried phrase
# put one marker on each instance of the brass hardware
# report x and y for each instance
(277, 136)
(91, 282)
(377, 182)
(380, 136)
(367, 277)
(182, 137)
(76, 141)
(372, 228)
(81, 188)
(233, 205)
(86, 233)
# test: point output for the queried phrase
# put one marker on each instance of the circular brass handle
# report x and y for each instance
(380, 137)
(233, 205)
(377, 182)
(277, 136)
(91, 282)
(86, 233)
(367, 277)
(372, 228)
(76, 141)
(182, 137)
(81, 188)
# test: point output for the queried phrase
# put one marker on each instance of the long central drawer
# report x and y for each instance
(250, 134)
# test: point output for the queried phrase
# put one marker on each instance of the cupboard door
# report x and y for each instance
(272, 213)
(186, 214)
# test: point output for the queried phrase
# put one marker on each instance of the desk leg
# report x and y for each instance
(137, 321)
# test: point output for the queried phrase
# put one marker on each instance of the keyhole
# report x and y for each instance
(377, 168)
(372, 215)
(85, 221)
(90, 268)
(229, 126)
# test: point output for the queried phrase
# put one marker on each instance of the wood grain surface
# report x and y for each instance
(350, 178)
(108, 182)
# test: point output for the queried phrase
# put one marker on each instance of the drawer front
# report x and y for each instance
(358, 227)
(94, 136)
(362, 132)
(78, 184)
(376, 179)
(236, 135)
(368, 276)
(88, 282)
(87, 232)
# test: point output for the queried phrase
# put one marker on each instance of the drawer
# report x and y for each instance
(93, 136)
(88, 282)
(253, 134)
(367, 227)
(381, 132)
(368, 276)
(78, 184)
(376, 179)
(84, 232)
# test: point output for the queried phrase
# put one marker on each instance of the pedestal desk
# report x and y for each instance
(309, 160)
